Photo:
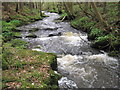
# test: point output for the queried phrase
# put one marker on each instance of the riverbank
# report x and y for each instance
(100, 38)
(24, 68)
(28, 69)
(105, 38)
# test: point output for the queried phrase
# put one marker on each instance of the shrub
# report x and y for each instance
(7, 31)
(101, 42)
(64, 14)
(95, 32)
(15, 22)
(81, 23)
(110, 42)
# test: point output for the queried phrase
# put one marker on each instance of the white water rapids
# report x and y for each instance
(80, 65)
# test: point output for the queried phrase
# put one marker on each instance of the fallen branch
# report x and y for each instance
(63, 18)
(83, 39)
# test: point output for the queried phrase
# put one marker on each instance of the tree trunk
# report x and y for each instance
(98, 15)
(40, 6)
(17, 6)
(69, 9)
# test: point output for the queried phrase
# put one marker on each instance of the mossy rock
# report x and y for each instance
(101, 42)
(54, 80)
(53, 11)
(17, 35)
(31, 36)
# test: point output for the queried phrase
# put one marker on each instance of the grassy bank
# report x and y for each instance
(23, 68)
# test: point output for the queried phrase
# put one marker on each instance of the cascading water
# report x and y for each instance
(80, 65)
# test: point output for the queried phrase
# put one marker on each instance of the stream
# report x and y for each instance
(80, 65)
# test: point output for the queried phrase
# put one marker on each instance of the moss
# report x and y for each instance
(94, 33)
(82, 23)
(18, 43)
(53, 11)
(101, 42)
(29, 69)
(109, 42)
(17, 35)
(24, 68)
(15, 22)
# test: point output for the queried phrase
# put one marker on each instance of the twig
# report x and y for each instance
(83, 39)
(63, 18)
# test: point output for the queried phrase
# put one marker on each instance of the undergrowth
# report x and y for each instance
(23, 68)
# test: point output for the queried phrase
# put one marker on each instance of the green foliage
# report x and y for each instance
(83, 23)
(102, 39)
(17, 34)
(15, 22)
(6, 59)
(18, 43)
(7, 25)
(101, 42)
(109, 42)
(89, 25)
(95, 32)
(8, 51)
(63, 15)
(7, 31)
(75, 23)
(53, 11)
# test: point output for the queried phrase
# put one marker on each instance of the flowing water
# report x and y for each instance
(80, 65)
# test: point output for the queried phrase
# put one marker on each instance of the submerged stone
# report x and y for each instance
(31, 36)
(55, 34)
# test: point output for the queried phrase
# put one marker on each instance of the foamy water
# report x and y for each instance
(80, 65)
